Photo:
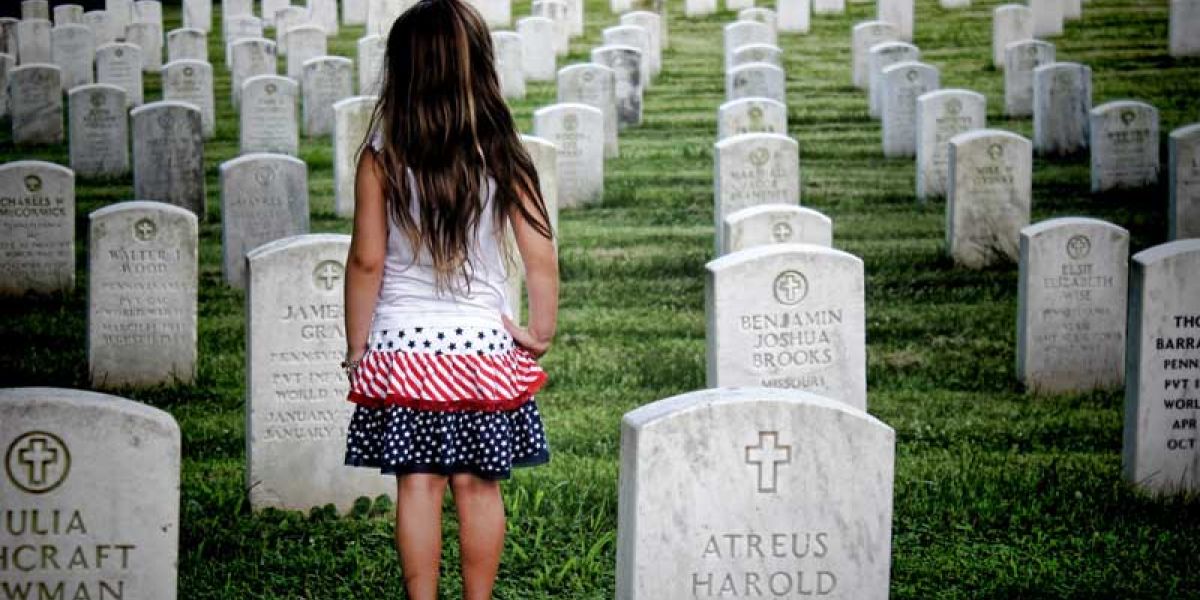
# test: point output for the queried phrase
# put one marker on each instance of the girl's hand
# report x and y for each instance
(525, 339)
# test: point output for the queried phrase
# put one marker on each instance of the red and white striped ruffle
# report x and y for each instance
(446, 382)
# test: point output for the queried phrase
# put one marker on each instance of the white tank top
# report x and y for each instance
(409, 296)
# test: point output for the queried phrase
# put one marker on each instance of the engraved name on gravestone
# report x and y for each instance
(1010, 23)
(1183, 214)
(625, 62)
(191, 81)
(1162, 390)
(988, 202)
(91, 493)
(351, 119)
(187, 44)
(1062, 99)
(33, 42)
(148, 37)
(264, 197)
(168, 154)
(788, 316)
(35, 103)
(297, 411)
(751, 115)
(371, 51)
(1020, 59)
(268, 115)
(752, 169)
(37, 228)
(942, 115)
(903, 83)
(142, 294)
(251, 57)
(545, 161)
(577, 130)
(325, 80)
(120, 64)
(1124, 143)
(754, 493)
(593, 85)
(99, 131)
(775, 224)
(864, 36)
(1071, 305)
(74, 51)
(879, 57)
(537, 48)
(756, 80)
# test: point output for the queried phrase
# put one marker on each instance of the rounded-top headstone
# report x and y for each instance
(168, 154)
(751, 115)
(989, 198)
(941, 115)
(751, 169)
(1124, 145)
(37, 226)
(776, 224)
(99, 142)
(1184, 204)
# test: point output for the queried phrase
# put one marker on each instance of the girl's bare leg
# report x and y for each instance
(481, 532)
(419, 531)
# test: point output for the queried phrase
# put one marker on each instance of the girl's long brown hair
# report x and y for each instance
(441, 114)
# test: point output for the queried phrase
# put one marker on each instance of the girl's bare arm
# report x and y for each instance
(368, 250)
(540, 257)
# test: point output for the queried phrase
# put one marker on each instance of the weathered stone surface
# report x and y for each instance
(788, 316)
(1124, 143)
(148, 11)
(286, 19)
(269, 116)
(33, 42)
(121, 65)
(1071, 305)
(751, 115)
(148, 37)
(864, 36)
(577, 130)
(97, 477)
(121, 12)
(753, 169)
(903, 83)
(1160, 451)
(35, 101)
(756, 80)
(354, 12)
(74, 50)
(750, 490)
(942, 115)
(270, 7)
(545, 160)
(187, 44)
(537, 45)
(326, 80)
(37, 228)
(297, 411)
(756, 53)
(304, 43)
(653, 25)
(593, 85)
(101, 26)
(636, 37)
(740, 33)
(250, 57)
(351, 120)
(625, 61)
(35, 9)
(142, 294)
(8, 62)
(325, 14)
(197, 14)
(8, 37)
(1183, 215)
(899, 13)
(264, 197)
(1062, 99)
(191, 81)
(879, 57)
(1184, 28)
(1020, 59)
(372, 54)
(99, 131)
(988, 203)
(496, 13)
(794, 16)
(168, 154)
(767, 224)
(1047, 17)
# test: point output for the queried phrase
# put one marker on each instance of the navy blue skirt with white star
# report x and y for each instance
(446, 400)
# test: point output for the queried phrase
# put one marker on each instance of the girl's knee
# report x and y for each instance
(467, 485)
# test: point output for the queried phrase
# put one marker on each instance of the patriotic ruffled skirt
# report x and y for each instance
(446, 400)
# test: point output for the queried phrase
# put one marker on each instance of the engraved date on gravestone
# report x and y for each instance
(1182, 391)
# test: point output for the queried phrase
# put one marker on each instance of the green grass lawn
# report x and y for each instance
(998, 495)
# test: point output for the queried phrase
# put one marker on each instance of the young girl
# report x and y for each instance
(442, 377)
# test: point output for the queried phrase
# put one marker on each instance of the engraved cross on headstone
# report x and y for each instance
(145, 230)
(37, 456)
(767, 456)
(329, 275)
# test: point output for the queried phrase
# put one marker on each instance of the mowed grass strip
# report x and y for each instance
(998, 495)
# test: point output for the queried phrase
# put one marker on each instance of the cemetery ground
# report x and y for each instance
(998, 494)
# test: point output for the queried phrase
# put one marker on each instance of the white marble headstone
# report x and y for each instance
(754, 493)
(863, 37)
(120, 64)
(101, 25)
(788, 316)
(269, 117)
(988, 201)
(756, 53)
(324, 13)
(577, 130)
(879, 57)
(496, 13)
(382, 14)
(899, 13)
(187, 44)
(148, 11)
(97, 477)
(756, 80)
(271, 7)
(829, 7)
(197, 14)
(1071, 305)
(33, 42)
(537, 45)
(74, 50)
(767, 224)
(37, 228)
(99, 141)
(1183, 214)
(372, 50)
(752, 169)
(760, 14)
(1020, 59)
(1047, 17)
(168, 154)
(751, 115)
(544, 155)
(286, 19)
(148, 37)
(191, 81)
(351, 120)
(264, 197)
(653, 24)
(593, 85)
(696, 8)
(740, 33)
(142, 294)
(793, 16)
(354, 12)
(556, 11)
(8, 62)
(903, 83)
(121, 12)
(325, 80)
(35, 9)
(625, 62)
(942, 115)
(8, 37)
(1161, 453)
(35, 104)
(1124, 145)
(1062, 99)
(297, 411)
(248, 58)
(1184, 28)
(304, 43)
